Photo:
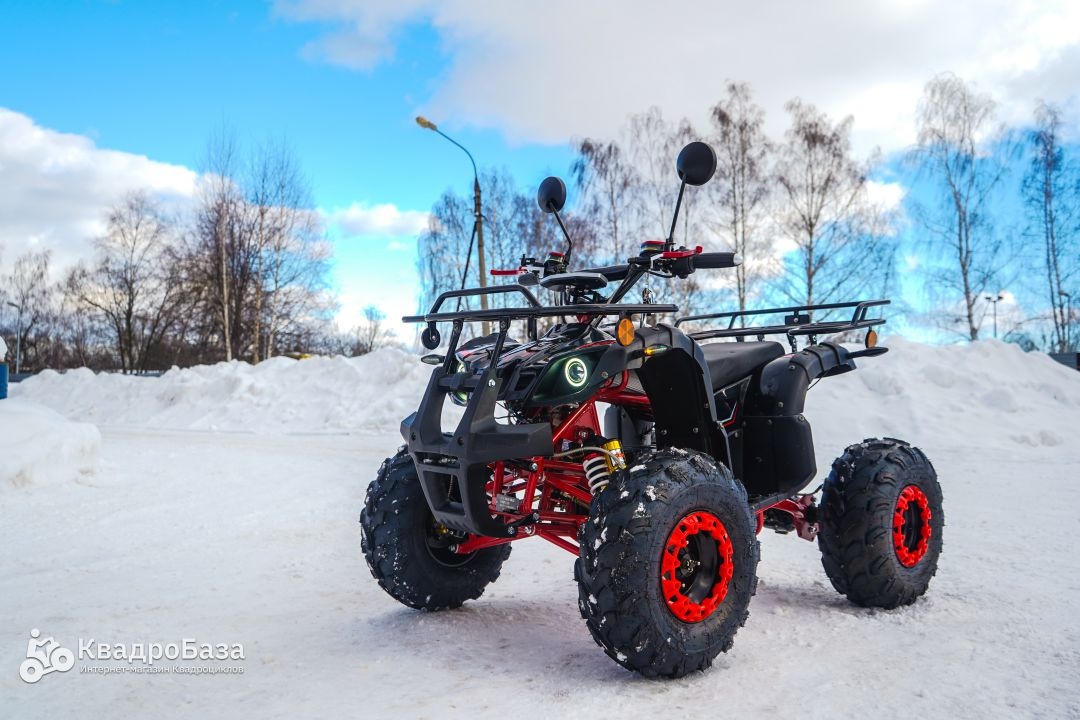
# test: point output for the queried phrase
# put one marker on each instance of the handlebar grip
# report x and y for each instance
(712, 260)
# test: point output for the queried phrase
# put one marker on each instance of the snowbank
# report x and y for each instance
(961, 394)
(40, 447)
(336, 394)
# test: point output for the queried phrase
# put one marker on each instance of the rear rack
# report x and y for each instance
(798, 322)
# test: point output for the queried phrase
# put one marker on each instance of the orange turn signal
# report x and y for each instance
(871, 338)
(624, 331)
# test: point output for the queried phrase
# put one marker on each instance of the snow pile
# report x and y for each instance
(961, 394)
(332, 394)
(40, 447)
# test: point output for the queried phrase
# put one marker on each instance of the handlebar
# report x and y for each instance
(707, 261)
(700, 261)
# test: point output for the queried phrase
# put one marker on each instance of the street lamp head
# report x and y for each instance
(425, 123)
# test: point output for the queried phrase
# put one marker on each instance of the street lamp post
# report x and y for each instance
(995, 301)
(18, 338)
(1068, 319)
(478, 225)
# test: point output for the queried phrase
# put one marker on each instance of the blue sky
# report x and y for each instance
(133, 90)
(157, 79)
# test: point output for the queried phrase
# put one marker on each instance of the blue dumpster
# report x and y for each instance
(3, 380)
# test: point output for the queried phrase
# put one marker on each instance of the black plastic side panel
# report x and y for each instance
(679, 388)
(778, 446)
(778, 455)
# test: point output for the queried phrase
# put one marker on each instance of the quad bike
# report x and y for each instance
(652, 455)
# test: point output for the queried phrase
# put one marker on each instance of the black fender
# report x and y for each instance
(784, 381)
(679, 386)
(778, 447)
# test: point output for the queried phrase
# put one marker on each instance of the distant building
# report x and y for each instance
(1071, 359)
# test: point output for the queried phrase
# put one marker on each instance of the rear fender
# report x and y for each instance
(784, 381)
(778, 450)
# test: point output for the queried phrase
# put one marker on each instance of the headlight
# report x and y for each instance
(460, 397)
(575, 372)
(565, 377)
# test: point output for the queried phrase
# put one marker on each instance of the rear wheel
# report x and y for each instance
(409, 553)
(881, 523)
(668, 564)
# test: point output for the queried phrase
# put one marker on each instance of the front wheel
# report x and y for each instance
(668, 564)
(410, 554)
(881, 523)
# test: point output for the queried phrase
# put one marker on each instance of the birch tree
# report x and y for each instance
(741, 186)
(1051, 193)
(840, 237)
(954, 121)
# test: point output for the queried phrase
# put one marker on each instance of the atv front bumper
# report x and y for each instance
(454, 467)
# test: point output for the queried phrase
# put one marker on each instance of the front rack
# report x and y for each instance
(533, 310)
(798, 321)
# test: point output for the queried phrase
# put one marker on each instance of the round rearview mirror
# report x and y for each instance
(696, 163)
(430, 338)
(552, 194)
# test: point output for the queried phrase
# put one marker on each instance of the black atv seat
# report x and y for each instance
(732, 361)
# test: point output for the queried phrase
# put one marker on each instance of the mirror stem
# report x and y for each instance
(670, 245)
(569, 242)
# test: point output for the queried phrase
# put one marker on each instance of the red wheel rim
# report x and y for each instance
(696, 566)
(911, 526)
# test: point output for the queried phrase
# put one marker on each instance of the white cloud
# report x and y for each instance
(366, 37)
(888, 196)
(385, 219)
(552, 70)
(55, 188)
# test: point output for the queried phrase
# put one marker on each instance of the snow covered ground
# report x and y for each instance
(251, 537)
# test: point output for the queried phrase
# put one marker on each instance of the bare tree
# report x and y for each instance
(130, 283)
(953, 119)
(742, 183)
(608, 184)
(513, 226)
(652, 147)
(289, 253)
(442, 248)
(257, 260)
(840, 238)
(1051, 189)
(221, 236)
(371, 335)
(27, 288)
